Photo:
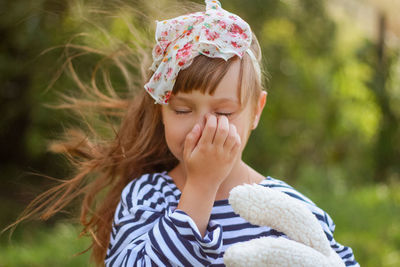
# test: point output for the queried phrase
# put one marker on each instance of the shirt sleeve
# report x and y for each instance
(346, 253)
(150, 234)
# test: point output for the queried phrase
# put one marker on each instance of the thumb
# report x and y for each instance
(191, 140)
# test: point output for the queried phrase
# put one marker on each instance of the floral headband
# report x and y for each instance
(213, 33)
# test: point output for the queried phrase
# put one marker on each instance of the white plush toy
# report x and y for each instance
(308, 244)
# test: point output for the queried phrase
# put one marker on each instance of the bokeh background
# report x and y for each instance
(330, 127)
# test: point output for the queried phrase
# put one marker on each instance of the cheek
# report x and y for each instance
(172, 127)
(175, 131)
(243, 126)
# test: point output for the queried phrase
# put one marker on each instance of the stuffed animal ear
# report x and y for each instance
(308, 244)
(276, 252)
(268, 207)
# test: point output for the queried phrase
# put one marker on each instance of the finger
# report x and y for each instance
(208, 134)
(222, 131)
(191, 140)
(231, 139)
(237, 144)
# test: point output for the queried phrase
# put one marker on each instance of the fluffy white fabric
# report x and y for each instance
(308, 245)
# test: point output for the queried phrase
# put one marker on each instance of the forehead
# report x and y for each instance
(229, 86)
(223, 89)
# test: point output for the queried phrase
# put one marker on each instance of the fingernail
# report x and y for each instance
(196, 128)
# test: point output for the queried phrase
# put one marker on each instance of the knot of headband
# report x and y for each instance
(213, 33)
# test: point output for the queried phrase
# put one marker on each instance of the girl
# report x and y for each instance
(173, 163)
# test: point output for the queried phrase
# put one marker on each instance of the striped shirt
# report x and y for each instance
(148, 229)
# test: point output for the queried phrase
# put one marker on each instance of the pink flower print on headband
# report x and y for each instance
(235, 29)
(183, 54)
(213, 33)
(211, 36)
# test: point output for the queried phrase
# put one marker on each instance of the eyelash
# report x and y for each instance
(180, 112)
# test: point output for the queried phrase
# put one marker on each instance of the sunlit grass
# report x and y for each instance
(54, 246)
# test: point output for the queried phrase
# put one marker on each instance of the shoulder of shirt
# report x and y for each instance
(147, 189)
(282, 186)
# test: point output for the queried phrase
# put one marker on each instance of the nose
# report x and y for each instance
(202, 120)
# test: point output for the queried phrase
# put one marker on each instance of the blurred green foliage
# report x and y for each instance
(330, 127)
(56, 246)
(367, 218)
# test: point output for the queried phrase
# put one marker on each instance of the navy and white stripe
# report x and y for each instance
(148, 230)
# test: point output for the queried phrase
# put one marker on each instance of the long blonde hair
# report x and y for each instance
(121, 135)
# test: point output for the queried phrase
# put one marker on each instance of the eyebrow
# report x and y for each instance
(217, 100)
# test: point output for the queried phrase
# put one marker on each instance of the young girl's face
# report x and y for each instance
(186, 109)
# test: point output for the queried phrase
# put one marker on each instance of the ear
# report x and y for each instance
(260, 106)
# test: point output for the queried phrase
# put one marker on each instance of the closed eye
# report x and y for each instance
(180, 112)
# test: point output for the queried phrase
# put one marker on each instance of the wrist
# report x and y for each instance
(201, 186)
(197, 201)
